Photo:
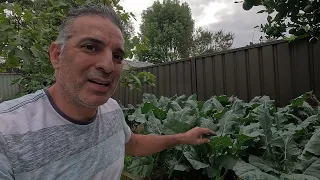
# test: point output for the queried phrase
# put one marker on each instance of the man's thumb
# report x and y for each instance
(203, 140)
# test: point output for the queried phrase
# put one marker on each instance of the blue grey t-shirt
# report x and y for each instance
(39, 142)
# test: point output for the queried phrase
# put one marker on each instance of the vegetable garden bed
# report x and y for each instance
(127, 176)
(255, 140)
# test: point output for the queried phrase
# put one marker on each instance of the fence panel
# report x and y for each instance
(278, 69)
(316, 68)
(8, 91)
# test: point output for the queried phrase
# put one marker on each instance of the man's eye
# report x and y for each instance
(89, 47)
(118, 57)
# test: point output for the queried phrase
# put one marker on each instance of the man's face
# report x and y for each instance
(89, 68)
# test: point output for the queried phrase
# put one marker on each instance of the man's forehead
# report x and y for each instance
(96, 26)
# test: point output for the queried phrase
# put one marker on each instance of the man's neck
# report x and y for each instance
(75, 112)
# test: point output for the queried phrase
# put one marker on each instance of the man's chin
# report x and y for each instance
(94, 102)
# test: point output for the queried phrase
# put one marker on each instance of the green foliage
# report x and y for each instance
(168, 28)
(205, 41)
(301, 18)
(134, 79)
(255, 140)
(27, 32)
(168, 34)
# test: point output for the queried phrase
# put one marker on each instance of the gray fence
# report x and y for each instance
(8, 91)
(278, 69)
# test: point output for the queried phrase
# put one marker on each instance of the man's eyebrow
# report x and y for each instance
(120, 50)
(93, 40)
(98, 41)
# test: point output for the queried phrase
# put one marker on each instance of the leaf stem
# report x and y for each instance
(224, 175)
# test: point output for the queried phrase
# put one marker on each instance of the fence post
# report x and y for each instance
(193, 67)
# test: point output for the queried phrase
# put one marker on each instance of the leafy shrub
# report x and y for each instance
(255, 140)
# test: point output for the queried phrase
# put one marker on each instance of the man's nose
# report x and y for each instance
(106, 62)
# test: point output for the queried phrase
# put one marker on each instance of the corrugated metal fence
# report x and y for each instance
(277, 69)
(8, 91)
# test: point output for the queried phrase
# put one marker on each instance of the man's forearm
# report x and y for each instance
(142, 145)
(150, 144)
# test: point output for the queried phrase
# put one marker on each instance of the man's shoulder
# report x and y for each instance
(25, 102)
(111, 105)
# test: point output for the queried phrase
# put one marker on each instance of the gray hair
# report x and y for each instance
(85, 10)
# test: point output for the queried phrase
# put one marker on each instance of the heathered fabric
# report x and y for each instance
(39, 142)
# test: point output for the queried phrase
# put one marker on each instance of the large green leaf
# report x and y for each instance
(207, 123)
(179, 122)
(150, 98)
(223, 99)
(279, 119)
(210, 104)
(180, 99)
(227, 122)
(191, 155)
(176, 161)
(313, 145)
(227, 161)
(247, 171)
(147, 107)
(252, 130)
(163, 102)
(219, 143)
(137, 116)
(142, 166)
(309, 111)
(175, 106)
(259, 163)
(192, 104)
(192, 97)
(153, 125)
(293, 118)
(160, 113)
(262, 114)
(211, 172)
(241, 140)
(287, 144)
(298, 101)
(312, 120)
(264, 100)
(230, 118)
(313, 169)
(297, 177)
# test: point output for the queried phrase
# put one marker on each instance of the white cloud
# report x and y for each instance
(214, 14)
(209, 14)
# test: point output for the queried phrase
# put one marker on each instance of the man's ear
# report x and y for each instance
(55, 55)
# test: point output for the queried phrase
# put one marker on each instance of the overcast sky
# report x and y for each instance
(213, 14)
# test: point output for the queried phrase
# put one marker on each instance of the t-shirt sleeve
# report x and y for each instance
(6, 172)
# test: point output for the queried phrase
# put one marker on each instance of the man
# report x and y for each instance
(73, 130)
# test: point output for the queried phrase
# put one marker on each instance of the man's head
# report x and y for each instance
(87, 55)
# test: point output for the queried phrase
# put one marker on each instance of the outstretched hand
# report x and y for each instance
(195, 136)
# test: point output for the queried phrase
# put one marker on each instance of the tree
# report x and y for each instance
(205, 41)
(300, 18)
(166, 30)
(28, 30)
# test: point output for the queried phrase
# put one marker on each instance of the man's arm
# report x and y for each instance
(142, 145)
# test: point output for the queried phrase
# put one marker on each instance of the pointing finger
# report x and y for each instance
(203, 140)
(207, 131)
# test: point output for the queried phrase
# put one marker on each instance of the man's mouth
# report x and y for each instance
(100, 82)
